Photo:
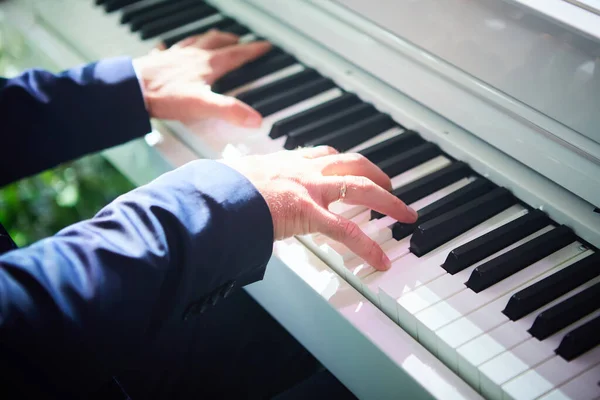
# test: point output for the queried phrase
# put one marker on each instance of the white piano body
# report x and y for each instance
(511, 87)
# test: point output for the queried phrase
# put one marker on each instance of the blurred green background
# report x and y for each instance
(39, 206)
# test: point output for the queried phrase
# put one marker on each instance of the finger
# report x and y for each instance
(316, 152)
(210, 40)
(362, 191)
(228, 108)
(229, 58)
(349, 234)
(354, 164)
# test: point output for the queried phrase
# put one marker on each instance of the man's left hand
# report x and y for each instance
(176, 81)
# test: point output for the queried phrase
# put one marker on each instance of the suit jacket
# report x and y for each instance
(79, 305)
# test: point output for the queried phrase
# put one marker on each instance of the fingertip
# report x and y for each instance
(412, 213)
(385, 262)
(252, 120)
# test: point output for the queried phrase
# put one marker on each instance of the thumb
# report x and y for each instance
(230, 109)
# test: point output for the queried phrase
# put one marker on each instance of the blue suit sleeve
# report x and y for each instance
(85, 300)
(50, 118)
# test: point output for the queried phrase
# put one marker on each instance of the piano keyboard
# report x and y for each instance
(502, 294)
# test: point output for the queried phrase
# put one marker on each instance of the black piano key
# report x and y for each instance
(271, 62)
(455, 199)
(170, 39)
(235, 28)
(494, 241)
(580, 340)
(286, 125)
(137, 9)
(100, 2)
(429, 184)
(411, 158)
(432, 234)
(321, 127)
(552, 287)
(279, 86)
(519, 258)
(142, 17)
(300, 93)
(566, 312)
(114, 5)
(183, 17)
(350, 136)
(393, 146)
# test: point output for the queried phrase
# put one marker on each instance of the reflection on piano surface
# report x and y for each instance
(495, 287)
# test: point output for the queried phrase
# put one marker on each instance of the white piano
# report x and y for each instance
(485, 113)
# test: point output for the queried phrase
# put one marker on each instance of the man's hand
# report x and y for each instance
(299, 185)
(176, 81)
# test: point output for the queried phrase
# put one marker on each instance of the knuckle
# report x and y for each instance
(351, 231)
(357, 158)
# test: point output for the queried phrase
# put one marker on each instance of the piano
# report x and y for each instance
(485, 114)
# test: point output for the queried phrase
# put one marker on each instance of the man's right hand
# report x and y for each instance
(299, 185)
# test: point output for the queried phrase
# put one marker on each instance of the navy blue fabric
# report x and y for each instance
(50, 118)
(77, 305)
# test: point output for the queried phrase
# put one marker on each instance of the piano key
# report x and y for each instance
(285, 126)
(474, 189)
(580, 340)
(348, 137)
(382, 137)
(139, 8)
(442, 229)
(509, 263)
(535, 296)
(275, 76)
(391, 147)
(156, 12)
(114, 5)
(548, 375)
(524, 359)
(566, 312)
(434, 318)
(507, 335)
(270, 63)
(408, 159)
(485, 319)
(429, 184)
(424, 293)
(180, 18)
(412, 272)
(223, 24)
(428, 167)
(477, 250)
(283, 100)
(321, 127)
(582, 387)
(193, 28)
(419, 204)
(277, 87)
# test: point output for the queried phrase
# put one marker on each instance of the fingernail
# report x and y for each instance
(385, 261)
(253, 121)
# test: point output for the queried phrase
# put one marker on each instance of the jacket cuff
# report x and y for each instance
(127, 106)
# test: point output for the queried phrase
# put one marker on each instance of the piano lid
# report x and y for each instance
(511, 72)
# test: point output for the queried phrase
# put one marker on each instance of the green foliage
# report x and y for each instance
(40, 206)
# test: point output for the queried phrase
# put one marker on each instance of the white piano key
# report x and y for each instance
(221, 136)
(382, 137)
(581, 387)
(416, 272)
(265, 80)
(485, 318)
(549, 375)
(509, 334)
(526, 356)
(441, 314)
